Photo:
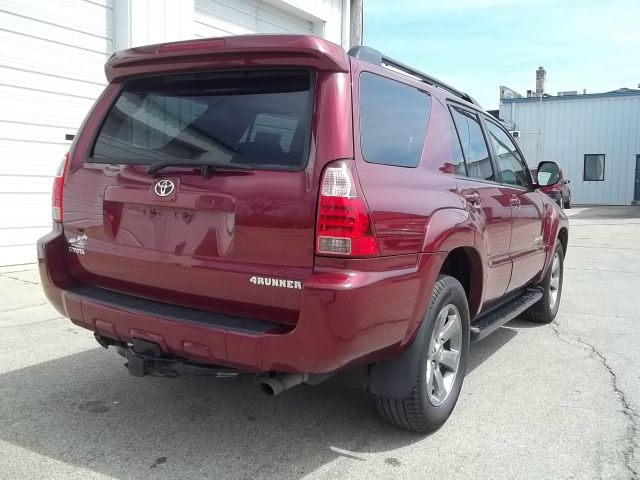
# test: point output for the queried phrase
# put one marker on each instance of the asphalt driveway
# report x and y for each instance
(558, 401)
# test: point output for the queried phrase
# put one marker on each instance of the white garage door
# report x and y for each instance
(215, 18)
(51, 71)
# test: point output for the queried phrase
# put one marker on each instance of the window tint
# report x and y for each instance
(393, 121)
(593, 167)
(473, 144)
(254, 117)
(512, 168)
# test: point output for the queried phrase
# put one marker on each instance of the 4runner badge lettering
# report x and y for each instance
(276, 282)
(78, 244)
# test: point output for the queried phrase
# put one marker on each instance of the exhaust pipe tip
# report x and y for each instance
(268, 389)
(273, 386)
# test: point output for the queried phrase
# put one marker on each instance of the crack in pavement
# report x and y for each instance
(23, 308)
(29, 324)
(628, 411)
(4, 275)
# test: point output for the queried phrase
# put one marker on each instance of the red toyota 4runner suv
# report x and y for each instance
(272, 205)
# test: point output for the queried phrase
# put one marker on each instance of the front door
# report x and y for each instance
(527, 244)
(486, 204)
(636, 196)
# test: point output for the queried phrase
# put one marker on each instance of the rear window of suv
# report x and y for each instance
(393, 121)
(259, 118)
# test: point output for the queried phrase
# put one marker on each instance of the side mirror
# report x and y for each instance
(548, 174)
(567, 181)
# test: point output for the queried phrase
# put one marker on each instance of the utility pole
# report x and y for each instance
(356, 23)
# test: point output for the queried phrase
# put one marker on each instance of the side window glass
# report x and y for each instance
(473, 144)
(512, 169)
(393, 121)
(457, 158)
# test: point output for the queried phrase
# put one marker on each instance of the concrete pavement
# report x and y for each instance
(558, 401)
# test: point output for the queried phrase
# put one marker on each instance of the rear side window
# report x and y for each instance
(474, 145)
(393, 121)
(259, 118)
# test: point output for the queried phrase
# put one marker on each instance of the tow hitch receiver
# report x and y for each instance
(146, 358)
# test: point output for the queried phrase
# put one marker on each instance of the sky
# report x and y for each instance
(478, 45)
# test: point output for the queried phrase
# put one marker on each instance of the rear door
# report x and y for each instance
(527, 244)
(477, 183)
(237, 238)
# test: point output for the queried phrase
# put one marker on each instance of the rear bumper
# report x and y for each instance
(348, 315)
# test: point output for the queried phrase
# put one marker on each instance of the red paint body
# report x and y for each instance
(200, 246)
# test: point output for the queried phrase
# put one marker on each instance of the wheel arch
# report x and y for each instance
(464, 263)
(454, 232)
(450, 232)
(563, 238)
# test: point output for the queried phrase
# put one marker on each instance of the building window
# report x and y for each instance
(593, 167)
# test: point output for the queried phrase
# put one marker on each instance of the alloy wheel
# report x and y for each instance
(444, 354)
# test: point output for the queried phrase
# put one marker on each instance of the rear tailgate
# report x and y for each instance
(232, 241)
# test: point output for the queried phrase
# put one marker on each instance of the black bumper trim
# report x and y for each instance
(144, 306)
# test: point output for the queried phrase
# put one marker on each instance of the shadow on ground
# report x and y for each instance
(600, 212)
(86, 410)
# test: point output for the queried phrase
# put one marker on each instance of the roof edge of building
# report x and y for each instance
(571, 97)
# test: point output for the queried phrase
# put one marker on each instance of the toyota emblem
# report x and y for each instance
(164, 187)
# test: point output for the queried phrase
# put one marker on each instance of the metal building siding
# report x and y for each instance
(51, 71)
(217, 18)
(574, 127)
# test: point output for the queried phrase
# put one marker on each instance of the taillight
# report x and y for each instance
(344, 224)
(58, 184)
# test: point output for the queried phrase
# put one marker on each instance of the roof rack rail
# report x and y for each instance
(371, 55)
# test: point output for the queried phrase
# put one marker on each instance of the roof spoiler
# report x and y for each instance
(371, 55)
(239, 51)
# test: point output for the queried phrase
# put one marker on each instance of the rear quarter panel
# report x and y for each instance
(403, 200)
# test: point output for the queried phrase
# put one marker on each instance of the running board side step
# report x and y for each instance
(491, 321)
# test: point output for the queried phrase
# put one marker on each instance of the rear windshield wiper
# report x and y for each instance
(207, 166)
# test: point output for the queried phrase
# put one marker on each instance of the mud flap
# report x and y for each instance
(394, 378)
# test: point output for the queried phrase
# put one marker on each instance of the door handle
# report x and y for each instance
(473, 198)
(515, 202)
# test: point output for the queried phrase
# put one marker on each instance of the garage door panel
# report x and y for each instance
(26, 184)
(19, 254)
(42, 108)
(208, 31)
(51, 71)
(38, 55)
(20, 210)
(93, 17)
(29, 158)
(44, 30)
(33, 133)
(215, 18)
(43, 81)
(15, 237)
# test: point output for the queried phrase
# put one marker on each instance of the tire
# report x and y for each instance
(426, 408)
(567, 204)
(547, 307)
